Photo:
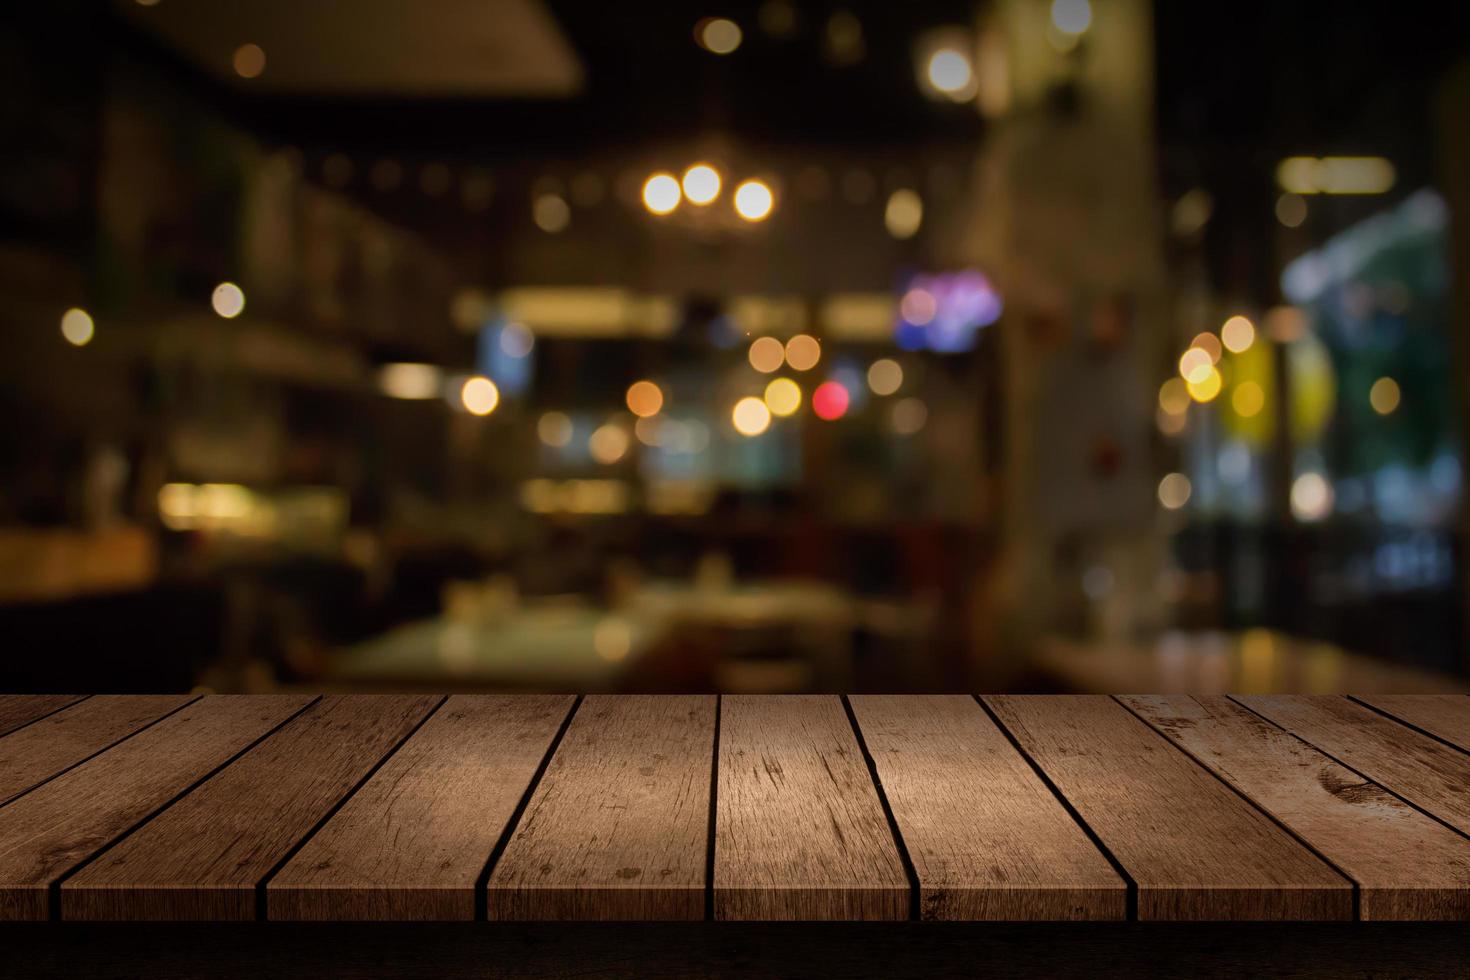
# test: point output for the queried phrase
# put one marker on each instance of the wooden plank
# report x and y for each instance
(987, 838)
(55, 827)
(1407, 866)
(22, 709)
(618, 826)
(202, 857)
(1445, 716)
(1428, 774)
(412, 842)
(46, 747)
(800, 831)
(1195, 849)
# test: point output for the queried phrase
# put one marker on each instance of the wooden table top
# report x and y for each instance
(294, 807)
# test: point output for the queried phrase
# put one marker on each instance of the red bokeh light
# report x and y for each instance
(830, 400)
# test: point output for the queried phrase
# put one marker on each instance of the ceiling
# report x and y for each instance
(424, 49)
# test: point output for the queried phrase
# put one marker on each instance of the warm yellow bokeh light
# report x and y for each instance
(1210, 344)
(1207, 386)
(783, 397)
(551, 213)
(885, 376)
(1171, 423)
(661, 193)
(608, 444)
(1248, 399)
(644, 399)
(1174, 490)
(554, 429)
(1238, 333)
(904, 213)
(77, 327)
(415, 381)
(803, 352)
(701, 184)
(1195, 364)
(909, 416)
(228, 300)
(750, 417)
(1384, 396)
(480, 396)
(1174, 396)
(249, 60)
(650, 430)
(767, 354)
(719, 35)
(754, 201)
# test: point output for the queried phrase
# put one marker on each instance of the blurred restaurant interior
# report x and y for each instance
(754, 346)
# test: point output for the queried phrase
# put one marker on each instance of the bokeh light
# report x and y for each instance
(644, 399)
(1238, 334)
(918, 306)
(77, 327)
(554, 429)
(551, 213)
(479, 396)
(949, 71)
(1384, 396)
(767, 354)
(249, 61)
(516, 340)
(750, 416)
(909, 416)
(1210, 344)
(228, 300)
(885, 376)
(754, 201)
(783, 397)
(701, 184)
(410, 381)
(1195, 364)
(803, 352)
(718, 35)
(1311, 497)
(1071, 16)
(904, 213)
(1174, 491)
(1248, 399)
(1174, 396)
(1207, 386)
(830, 401)
(608, 443)
(661, 193)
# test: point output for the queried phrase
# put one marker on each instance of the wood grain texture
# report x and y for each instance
(55, 827)
(1428, 774)
(22, 709)
(800, 832)
(412, 842)
(987, 838)
(617, 827)
(202, 857)
(1195, 849)
(46, 747)
(1407, 866)
(1445, 716)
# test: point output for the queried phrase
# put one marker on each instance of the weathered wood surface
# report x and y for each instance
(1194, 847)
(58, 826)
(58, 741)
(800, 831)
(988, 839)
(410, 845)
(774, 808)
(1429, 774)
(617, 828)
(1407, 865)
(1445, 716)
(203, 857)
